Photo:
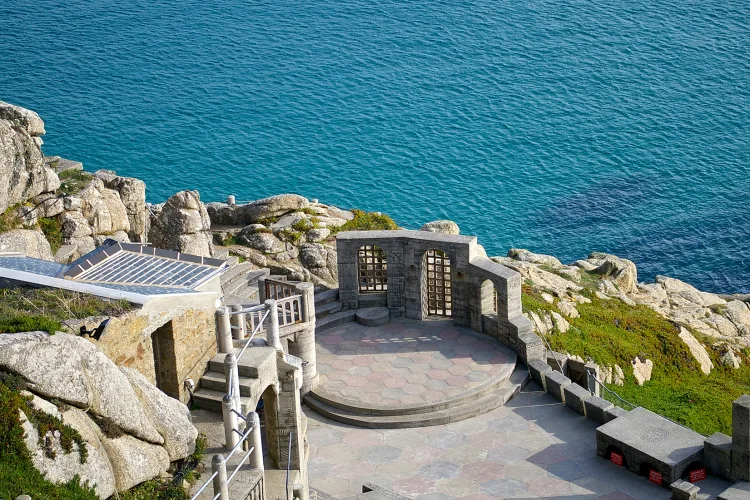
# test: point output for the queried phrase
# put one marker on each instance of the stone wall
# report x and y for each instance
(187, 338)
(473, 277)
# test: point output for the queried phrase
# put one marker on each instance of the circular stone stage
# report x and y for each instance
(409, 373)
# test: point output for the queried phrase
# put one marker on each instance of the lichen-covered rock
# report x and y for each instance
(317, 235)
(568, 309)
(23, 173)
(729, 358)
(621, 271)
(697, 350)
(73, 370)
(28, 242)
(524, 255)
(132, 193)
(274, 206)
(183, 225)
(96, 470)
(682, 294)
(263, 242)
(103, 209)
(168, 415)
(134, 461)
(739, 313)
(560, 323)
(441, 226)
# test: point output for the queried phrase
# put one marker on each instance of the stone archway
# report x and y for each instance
(437, 284)
(488, 297)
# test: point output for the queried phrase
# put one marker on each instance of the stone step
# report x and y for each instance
(221, 253)
(237, 300)
(373, 316)
(326, 309)
(326, 296)
(215, 381)
(319, 495)
(487, 403)
(253, 360)
(210, 400)
(232, 260)
(334, 320)
(235, 271)
(247, 290)
(488, 387)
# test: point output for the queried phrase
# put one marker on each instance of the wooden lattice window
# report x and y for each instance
(373, 270)
(439, 284)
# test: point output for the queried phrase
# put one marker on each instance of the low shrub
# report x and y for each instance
(73, 181)
(366, 221)
(52, 229)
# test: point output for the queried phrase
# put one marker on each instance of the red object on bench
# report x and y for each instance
(616, 458)
(655, 477)
(697, 475)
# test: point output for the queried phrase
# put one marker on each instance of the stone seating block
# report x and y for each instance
(555, 383)
(717, 455)
(538, 370)
(612, 413)
(596, 408)
(683, 490)
(738, 491)
(575, 396)
(650, 441)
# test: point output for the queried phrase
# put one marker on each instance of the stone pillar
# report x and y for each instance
(346, 255)
(307, 293)
(231, 201)
(230, 422)
(221, 485)
(223, 330)
(256, 457)
(741, 439)
(237, 320)
(262, 289)
(272, 325)
(304, 348)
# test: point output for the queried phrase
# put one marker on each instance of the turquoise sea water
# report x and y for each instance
(562, 126)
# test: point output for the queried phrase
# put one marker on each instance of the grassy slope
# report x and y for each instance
(610, 331)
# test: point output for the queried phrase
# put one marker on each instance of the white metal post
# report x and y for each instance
(221, 486)
(224, 330)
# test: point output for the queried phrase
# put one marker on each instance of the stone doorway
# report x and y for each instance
(165, 360)
(437, 284)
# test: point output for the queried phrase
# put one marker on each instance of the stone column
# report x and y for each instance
(223, 330)
(307, 293)
(262, 289)
(272, 325)
(256, 457)
(237, 320)
(221, 485)
(741, 439)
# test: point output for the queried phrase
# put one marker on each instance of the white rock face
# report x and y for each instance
(73, 370)
(739, 313)
(524, 255)
(441, 226)
(560, 323)
(621, 271)
(134, 461)
(31, 243)
(169, 416)
(183, 225)
(642, 370)
(697, 350)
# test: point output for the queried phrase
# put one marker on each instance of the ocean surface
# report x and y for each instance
(562, 126)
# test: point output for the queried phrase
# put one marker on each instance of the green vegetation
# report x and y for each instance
(10, 220)
(613, 332)
(29, 309)
(17, 472)
(52, 229)
(73, 181)
(366, 221)
(302, 225)
(229, 240)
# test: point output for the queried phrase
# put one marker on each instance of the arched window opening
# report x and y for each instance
(373, 270)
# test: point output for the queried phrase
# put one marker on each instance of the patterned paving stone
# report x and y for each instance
(380, 454)
(439, 470)
(420, 359)
(504, 488)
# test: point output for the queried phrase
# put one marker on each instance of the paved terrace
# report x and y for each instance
(406, 362)
(534, 447)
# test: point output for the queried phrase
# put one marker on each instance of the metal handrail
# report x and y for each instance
(553, 353)
(205, 485)
(255, 332)
(611, 391)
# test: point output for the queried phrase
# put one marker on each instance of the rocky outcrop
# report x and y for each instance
(183, 225)
(256, 211)
(642, 370)
(146, 429)
(698, 350)
(27, 242)
(441, 226)
(132, 193)
(23, 173)
(620, 271)
(524, 255)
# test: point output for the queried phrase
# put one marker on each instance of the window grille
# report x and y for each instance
(373, 270)
(439, 284)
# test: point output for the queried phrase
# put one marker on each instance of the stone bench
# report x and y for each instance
(649, 441)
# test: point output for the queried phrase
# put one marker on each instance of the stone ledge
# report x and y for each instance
(556, 383)
(575, 396)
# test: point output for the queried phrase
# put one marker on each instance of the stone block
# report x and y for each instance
(738, 491)
(683, 490)
(612, 413)
(530, 346)
(556, 383)
(741, 423)
(717, 455)
(575, 396)
(538, 370)
(740, 465)
(557, 361)
(596, 409)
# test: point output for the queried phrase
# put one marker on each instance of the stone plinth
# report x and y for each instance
(614, 412)
(717, 455)
(372, 316)
(650, 441)
(556, 383)
(738, 491)
(683, 490)
(575, 396)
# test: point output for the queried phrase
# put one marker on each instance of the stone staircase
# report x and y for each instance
(239, 283)
(490, 396)
(212, 386)
(328, 313)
